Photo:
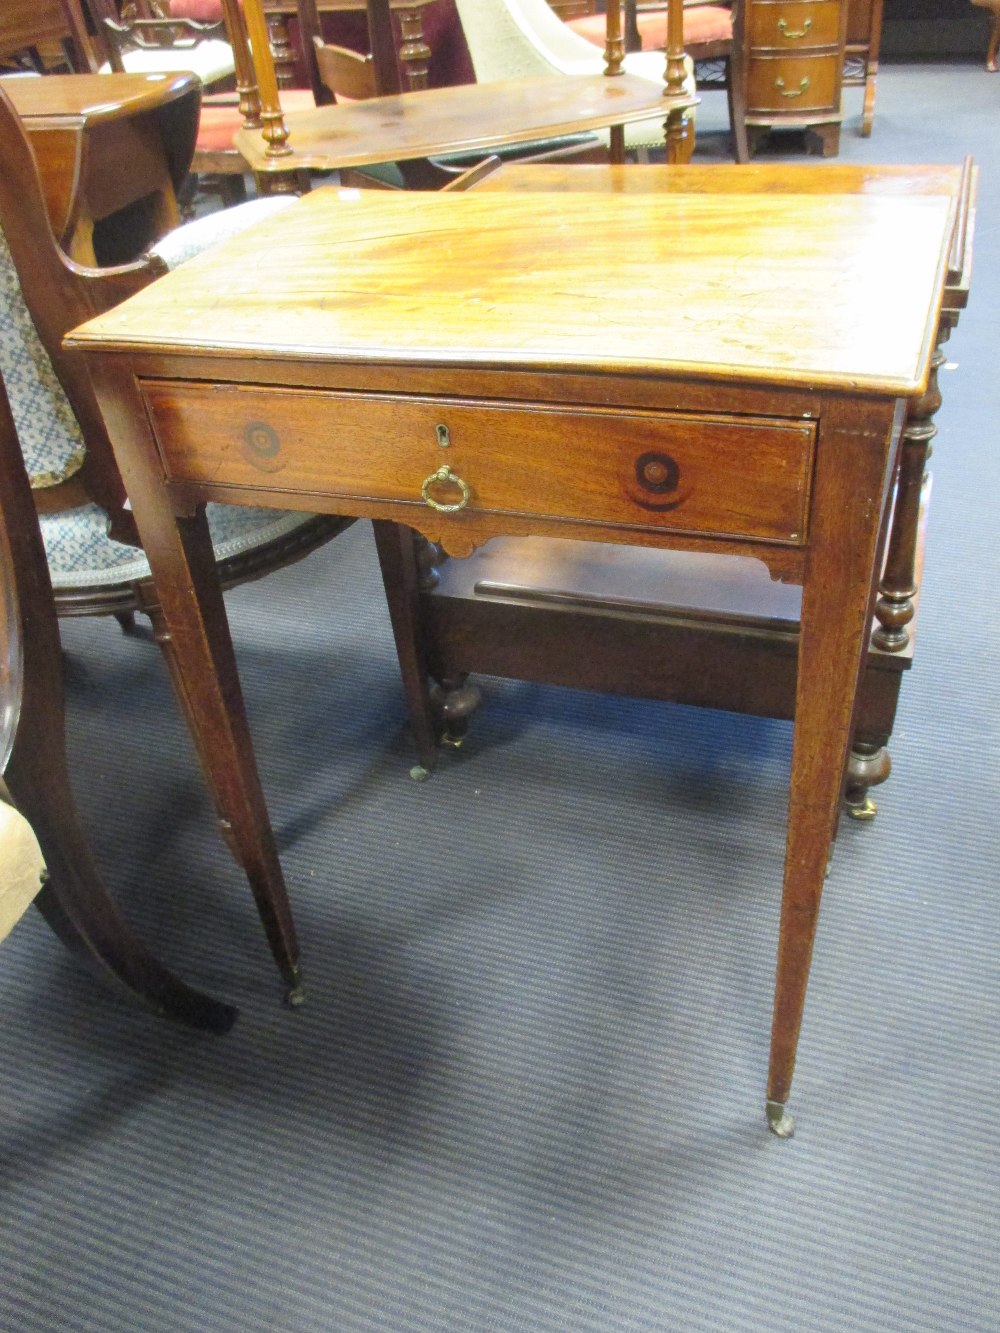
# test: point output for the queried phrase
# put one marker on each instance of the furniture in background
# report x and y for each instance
(473, 119)
(82, 128)
(861, 53)
(994, 43)
(751, 37)
(414, 52)
(43, 848)
(676, 625)
(708, 43)
(418, 386)
(44, 35)
(94, 564)
(515, 39)
(572, 9)
(138, 39)
(793, 54)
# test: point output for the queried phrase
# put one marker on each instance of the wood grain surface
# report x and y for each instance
(788, 289)
(466, 118)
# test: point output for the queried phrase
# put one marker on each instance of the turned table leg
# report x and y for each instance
(414, 53)
(895, 606)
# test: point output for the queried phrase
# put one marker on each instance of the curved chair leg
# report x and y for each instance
(83, 914)
(34, 765)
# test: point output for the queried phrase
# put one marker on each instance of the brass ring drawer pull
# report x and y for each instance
(793, 35)
(445, 474)
(779, 83)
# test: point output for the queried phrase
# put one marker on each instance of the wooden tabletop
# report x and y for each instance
(749, 178)
(786, 289)
(468, 118)
(93, 98)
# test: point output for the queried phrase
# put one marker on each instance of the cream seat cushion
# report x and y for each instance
(211, 60)
(21, 866)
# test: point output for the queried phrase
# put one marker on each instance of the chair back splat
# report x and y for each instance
(32, 29)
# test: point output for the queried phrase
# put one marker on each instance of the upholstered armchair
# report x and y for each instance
(510, 39)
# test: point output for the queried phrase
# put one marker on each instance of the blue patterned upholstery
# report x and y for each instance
(50, 437)
(82, 555)
(80, 552)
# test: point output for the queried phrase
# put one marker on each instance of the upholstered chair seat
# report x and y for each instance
(212, 60)
(702, 24)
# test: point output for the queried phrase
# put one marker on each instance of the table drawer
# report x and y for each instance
(638, 469)
(792, 85)
(793, 26)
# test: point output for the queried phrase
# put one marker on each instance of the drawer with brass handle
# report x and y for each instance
(792, 85)
(793, 26)
(635, 469)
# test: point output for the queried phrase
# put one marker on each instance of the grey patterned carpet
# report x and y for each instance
(525, 1093)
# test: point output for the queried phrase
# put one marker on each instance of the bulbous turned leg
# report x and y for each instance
(895, 606)
(868, 764)
(454, 701)
(779, 1122)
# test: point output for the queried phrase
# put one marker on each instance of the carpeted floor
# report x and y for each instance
(526, 1090)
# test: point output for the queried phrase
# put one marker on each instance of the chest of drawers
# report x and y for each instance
(793, 57)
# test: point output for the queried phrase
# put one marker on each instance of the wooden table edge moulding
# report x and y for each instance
(672, 396)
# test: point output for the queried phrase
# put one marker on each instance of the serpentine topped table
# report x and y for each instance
(717, 372)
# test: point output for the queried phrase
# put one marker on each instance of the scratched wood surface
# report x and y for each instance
(790, 289)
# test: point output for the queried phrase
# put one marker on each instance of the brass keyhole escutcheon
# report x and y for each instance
(445, 477)
(443, 436)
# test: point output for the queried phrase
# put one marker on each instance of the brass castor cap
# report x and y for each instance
(779, 1122)
(865, 812)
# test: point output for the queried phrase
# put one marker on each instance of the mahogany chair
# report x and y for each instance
(141, 39)
(92, 547)
(44, 852)
(45, 36)
(711, 40)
